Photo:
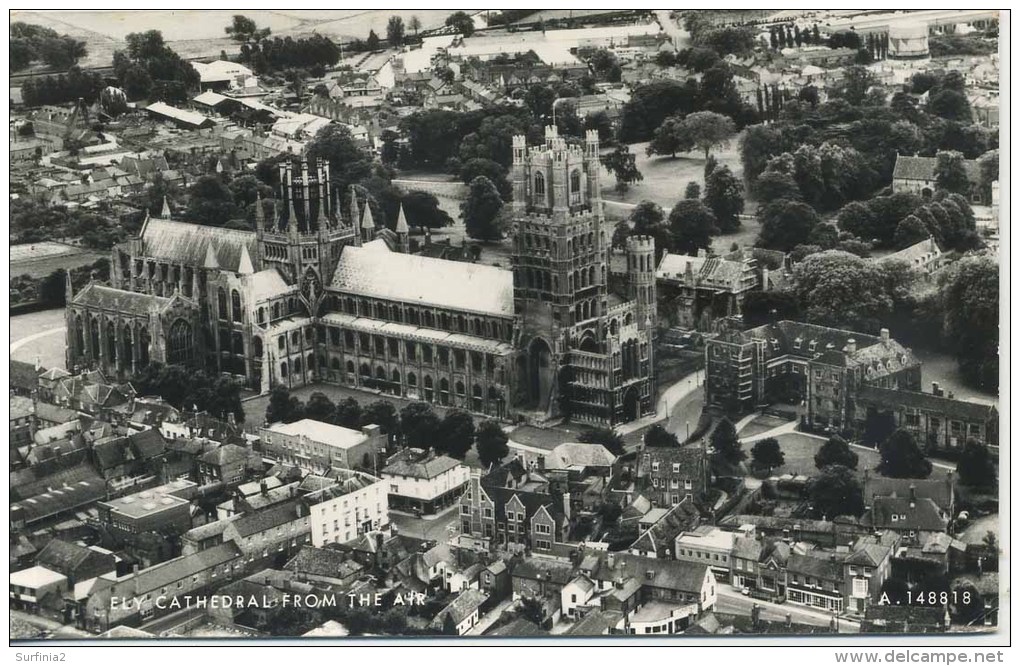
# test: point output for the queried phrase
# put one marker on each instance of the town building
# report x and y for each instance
(318, 446)
(424, 482)
(707, 545)
(38, 590)
(306, 298)
(937, 421)
(695, 292)
(498, 511)
(917, 175)
(350, 504)
(925, 256)
(827, 366)
(671, 475)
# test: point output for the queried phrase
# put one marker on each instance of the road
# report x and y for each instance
(732, 602)
(440, 529)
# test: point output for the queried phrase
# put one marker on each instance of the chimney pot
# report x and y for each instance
(884, 333)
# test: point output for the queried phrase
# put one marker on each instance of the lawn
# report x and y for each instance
(800, 450)
(761, 424)
(665, 179)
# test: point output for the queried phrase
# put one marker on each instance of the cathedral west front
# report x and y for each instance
(319, 293)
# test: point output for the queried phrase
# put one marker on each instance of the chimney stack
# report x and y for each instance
(913, 495)
(884, 334)
(936, 390)
(851, 346)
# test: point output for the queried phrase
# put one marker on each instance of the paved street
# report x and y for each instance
(731, 601)
(440, 529)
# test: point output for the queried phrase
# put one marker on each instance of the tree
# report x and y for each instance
(456, 434)
(651, 103)
(772, 185)
(347, 414)
(758, 145)
(372, 42)
(606, 66)
(319, 407)
(910, 232)
(785, 223)
(419, 424)
(494, 171)
(976, 466)
(243, 29)
(692, 225)
(395, 31)
(621, 163)
(481, 210)
(607, 437)
(709, 129)
(836, 452)
(423, 211)
(951, 172)
(725, 444)
(764, 307)
(491, 443)
(621, 232)
(767, 453)
(461, 22)
(843, 290)
(657, 436)
(836, 492)
(969, 297)
(210, 201)
(855, 84)
(902, 458)
(383, 414)
(724, 194)
(693, 190)
(951, 105)
(671, 137)
(349, 163)
(414, 23)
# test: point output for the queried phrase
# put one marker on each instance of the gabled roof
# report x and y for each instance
(821, 565)
(188, 244)
(324, 562)
(919, 514)
(97, 296)
(405, 463)
(274, 516)
(24, 375)
(939, 490)
(655, 572)
(171, 571)
(951, 408)
(466, 603)
(573, 455)
(66, 557)
(482, 289)
(923, 168)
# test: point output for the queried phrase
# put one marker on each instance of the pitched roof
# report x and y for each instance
(406, 463)
(940, 490)
(466, 603)
(171, 571)
(920, 514)
(24, 375)
(59, 499)
(534, 568)
(923, 168)
(952, 408)
(97, 296)
(480, 288)
(917, 253)
(821, 564)
(578, 455)
(65, 556)
(323, 562)
(655, 572)
(185, 243)
(519, 628)
(274, 516)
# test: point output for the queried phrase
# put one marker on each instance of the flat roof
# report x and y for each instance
(715, 538)
(36, 577)
(317, 431)
(152, 501)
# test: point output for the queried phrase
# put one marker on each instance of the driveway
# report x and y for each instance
(441, 528)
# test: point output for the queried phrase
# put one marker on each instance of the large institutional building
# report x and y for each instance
(316, 295)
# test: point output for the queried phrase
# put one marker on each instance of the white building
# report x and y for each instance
(342, 511)
(316, 446)
(422, 481)
(706, 545)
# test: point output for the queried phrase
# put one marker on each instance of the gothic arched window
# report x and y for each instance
(539, 185)
(221, 302)
(181, 342)
(235, 301)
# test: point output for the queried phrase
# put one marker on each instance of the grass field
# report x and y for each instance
(40, 259)
(666, 178)
(46, 332)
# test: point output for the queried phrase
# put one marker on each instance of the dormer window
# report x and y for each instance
(812, 345)
(797, 343)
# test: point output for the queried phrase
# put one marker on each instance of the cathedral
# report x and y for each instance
(317, 294)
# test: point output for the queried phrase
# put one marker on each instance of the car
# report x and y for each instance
(746, 591)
